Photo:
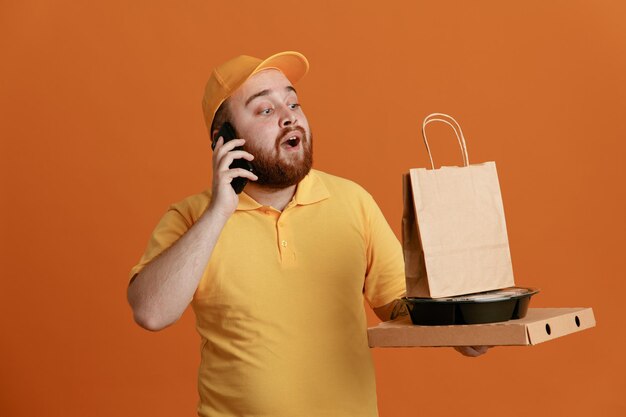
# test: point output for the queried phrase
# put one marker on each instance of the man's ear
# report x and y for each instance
(214, 138)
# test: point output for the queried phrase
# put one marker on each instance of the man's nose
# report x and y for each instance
(287, 117)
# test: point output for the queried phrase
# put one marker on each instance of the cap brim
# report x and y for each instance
(293, 64)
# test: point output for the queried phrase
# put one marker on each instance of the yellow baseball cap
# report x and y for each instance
(229, 76)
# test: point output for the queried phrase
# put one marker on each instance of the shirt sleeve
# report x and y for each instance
(385, 279)
(170, 228)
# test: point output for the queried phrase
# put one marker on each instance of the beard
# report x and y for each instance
(276, 172)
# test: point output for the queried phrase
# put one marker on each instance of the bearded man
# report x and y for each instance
(276, 275)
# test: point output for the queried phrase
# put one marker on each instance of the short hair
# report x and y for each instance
(222, 115)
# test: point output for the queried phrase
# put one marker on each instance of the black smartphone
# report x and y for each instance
(228, 133)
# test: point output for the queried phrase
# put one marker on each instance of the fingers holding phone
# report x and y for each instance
(227, 133)
(231, 160)
(231, 172)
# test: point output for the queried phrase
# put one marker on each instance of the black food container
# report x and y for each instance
(485, 307)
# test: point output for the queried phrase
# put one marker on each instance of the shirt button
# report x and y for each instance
(284, 243)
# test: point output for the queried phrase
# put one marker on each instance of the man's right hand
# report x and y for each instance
(224, 200)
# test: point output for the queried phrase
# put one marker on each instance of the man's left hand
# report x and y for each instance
(472, 351)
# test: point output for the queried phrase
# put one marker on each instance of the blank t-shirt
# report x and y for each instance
(280, 305)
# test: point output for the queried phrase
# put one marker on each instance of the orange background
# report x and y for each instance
(101, 129)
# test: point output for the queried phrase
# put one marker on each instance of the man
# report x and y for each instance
(276, 274)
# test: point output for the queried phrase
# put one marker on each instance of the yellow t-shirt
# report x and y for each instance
(279, 308)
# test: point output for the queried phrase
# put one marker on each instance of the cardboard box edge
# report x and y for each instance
(407, 335)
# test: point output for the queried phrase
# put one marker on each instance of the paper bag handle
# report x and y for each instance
(436, 117)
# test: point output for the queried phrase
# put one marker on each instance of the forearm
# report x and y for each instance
(391, 311)
(163, 289)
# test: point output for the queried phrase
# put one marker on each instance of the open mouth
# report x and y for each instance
(291, 142)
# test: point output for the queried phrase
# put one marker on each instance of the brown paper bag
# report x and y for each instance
(453, 227)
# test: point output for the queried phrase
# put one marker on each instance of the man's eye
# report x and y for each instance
(294, 105)
(266, 111)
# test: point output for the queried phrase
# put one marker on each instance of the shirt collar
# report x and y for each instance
(247, 203)
(309, 191)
